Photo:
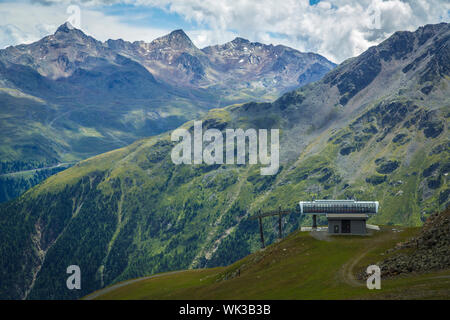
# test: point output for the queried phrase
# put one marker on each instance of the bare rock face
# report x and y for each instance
(423, 56)
(234, 65)
(267, 65)
(431, 249)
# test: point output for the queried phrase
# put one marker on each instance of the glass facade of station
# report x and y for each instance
(322, 207)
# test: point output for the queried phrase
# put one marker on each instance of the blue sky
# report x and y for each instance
(337, 29)
(144, 16)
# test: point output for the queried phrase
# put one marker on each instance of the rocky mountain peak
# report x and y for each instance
(179, 33)
(67, 32)
(238, 44)
(425, 49)
(177, 39)
(239, 40)
(65, 27)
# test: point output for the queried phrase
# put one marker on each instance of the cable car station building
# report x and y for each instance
(344, 216)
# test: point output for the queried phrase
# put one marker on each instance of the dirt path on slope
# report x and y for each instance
(63, 164)
(347, 274)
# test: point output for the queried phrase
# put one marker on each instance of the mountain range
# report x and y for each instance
(68, 96)
(373, 128)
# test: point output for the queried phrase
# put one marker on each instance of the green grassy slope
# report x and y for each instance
(137, 213)
(39, 132)
(298, 267)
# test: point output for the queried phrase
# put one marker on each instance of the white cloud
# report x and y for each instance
(25, 23)
(338, 29)
(203, 37)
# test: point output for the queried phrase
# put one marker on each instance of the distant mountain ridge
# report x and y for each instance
(256, 64)
(69, 96)
(174, 53)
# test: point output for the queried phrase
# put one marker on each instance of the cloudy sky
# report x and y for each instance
(337, 29)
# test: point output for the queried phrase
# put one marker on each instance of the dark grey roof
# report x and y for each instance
(346, 216)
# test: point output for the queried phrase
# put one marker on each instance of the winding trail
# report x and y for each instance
(347, 274)
(63, 164)
(347, 269)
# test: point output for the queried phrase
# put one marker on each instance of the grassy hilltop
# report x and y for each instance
(301, 266)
